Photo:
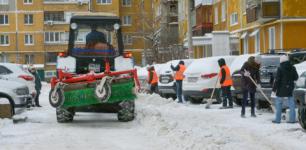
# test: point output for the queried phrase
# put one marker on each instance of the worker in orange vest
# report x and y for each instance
(152, 79)
(226, 82)
(179, 76)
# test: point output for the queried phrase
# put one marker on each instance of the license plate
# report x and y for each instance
(94, 67)
(165, 78)
(192, 79)
(265, 80)
(164, 81)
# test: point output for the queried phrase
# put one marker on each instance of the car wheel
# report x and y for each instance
(127, 111)
(302, 117)
(195, 100)
(262, 104)
(218, 97)
(64, 115)
(237, 101)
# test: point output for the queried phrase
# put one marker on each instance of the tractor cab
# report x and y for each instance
(94, 39)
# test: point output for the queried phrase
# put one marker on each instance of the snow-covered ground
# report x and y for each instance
(161, 124)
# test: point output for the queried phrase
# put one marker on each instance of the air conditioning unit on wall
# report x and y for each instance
(50, 22)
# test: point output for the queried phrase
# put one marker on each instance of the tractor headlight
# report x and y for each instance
(73, 26)
(116, 26)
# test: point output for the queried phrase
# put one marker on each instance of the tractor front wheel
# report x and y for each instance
(127, 111)
(57, 99)
(64, 115)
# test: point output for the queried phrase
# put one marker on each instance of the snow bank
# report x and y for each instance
(192, 127)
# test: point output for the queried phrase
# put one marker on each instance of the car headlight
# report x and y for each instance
(22, 91)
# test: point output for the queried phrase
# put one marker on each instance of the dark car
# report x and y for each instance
(297, 56)
(269, 65)
(300, 99)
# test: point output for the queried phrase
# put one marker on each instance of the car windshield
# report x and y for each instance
(94, 41)
(270, 61)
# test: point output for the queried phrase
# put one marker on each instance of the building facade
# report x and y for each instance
(34, 31)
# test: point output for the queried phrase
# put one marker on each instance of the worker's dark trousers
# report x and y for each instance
(153, 88)
(37, 98)
(179, 90)
(245, 101)
(227, 95)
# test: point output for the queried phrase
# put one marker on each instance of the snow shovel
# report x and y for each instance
(263, 94)
(209, 102)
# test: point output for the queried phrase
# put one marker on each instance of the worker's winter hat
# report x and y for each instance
(95, 37)
(181, 62)
(284, 58)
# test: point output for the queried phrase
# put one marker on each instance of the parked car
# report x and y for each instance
(142, 74)
(300, 68)
(300, 99)
(166, 83)
(268, 68)
(297, 56)
(16, 93)
(16, 72)
(200, 79)
(236, 76)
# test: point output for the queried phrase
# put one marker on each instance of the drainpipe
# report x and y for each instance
(281, 21)
(16, 34)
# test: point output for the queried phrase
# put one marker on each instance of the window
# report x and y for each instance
(82, 36)
(4, 40)
(104, 2)
(4, 2)
(28, 1)
(127, 39)
(55, 37)
(257, 42)
(3, 58)
(216, 15)
(4, 70)
(234, 19)
(223, 11)
(127, 20)
(28, 39)
(4, 19)
(272, 38)
(54, 16)
(28, 19)
(29, 59)
(126, 3)
(51, 57)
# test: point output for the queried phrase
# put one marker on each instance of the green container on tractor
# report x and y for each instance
(96, 75)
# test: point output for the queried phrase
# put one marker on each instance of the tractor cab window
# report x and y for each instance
(94, 41)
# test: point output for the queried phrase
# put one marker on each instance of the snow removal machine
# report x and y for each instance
(95, 74)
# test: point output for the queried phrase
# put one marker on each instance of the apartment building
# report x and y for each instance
(34, 31)
(166, 31)
(262, 25)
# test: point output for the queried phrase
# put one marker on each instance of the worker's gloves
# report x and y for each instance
(273, 95)
(246, 73)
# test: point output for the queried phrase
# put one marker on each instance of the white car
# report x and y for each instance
(16, 72)
(166, 82)
(142, 74)
(17, 93)
(200, 78)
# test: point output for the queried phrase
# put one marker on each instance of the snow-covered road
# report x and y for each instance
(161, 124)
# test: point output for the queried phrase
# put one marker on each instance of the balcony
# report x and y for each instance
(202, 29)
(262, 10)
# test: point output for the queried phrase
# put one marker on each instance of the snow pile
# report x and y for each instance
(192, 127)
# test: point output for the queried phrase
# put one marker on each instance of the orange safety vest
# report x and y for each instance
(154, 79)
(179, 75)
(228, 80)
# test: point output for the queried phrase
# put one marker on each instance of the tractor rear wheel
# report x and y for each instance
(127, 111)
(64, 115)
(302, 117)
